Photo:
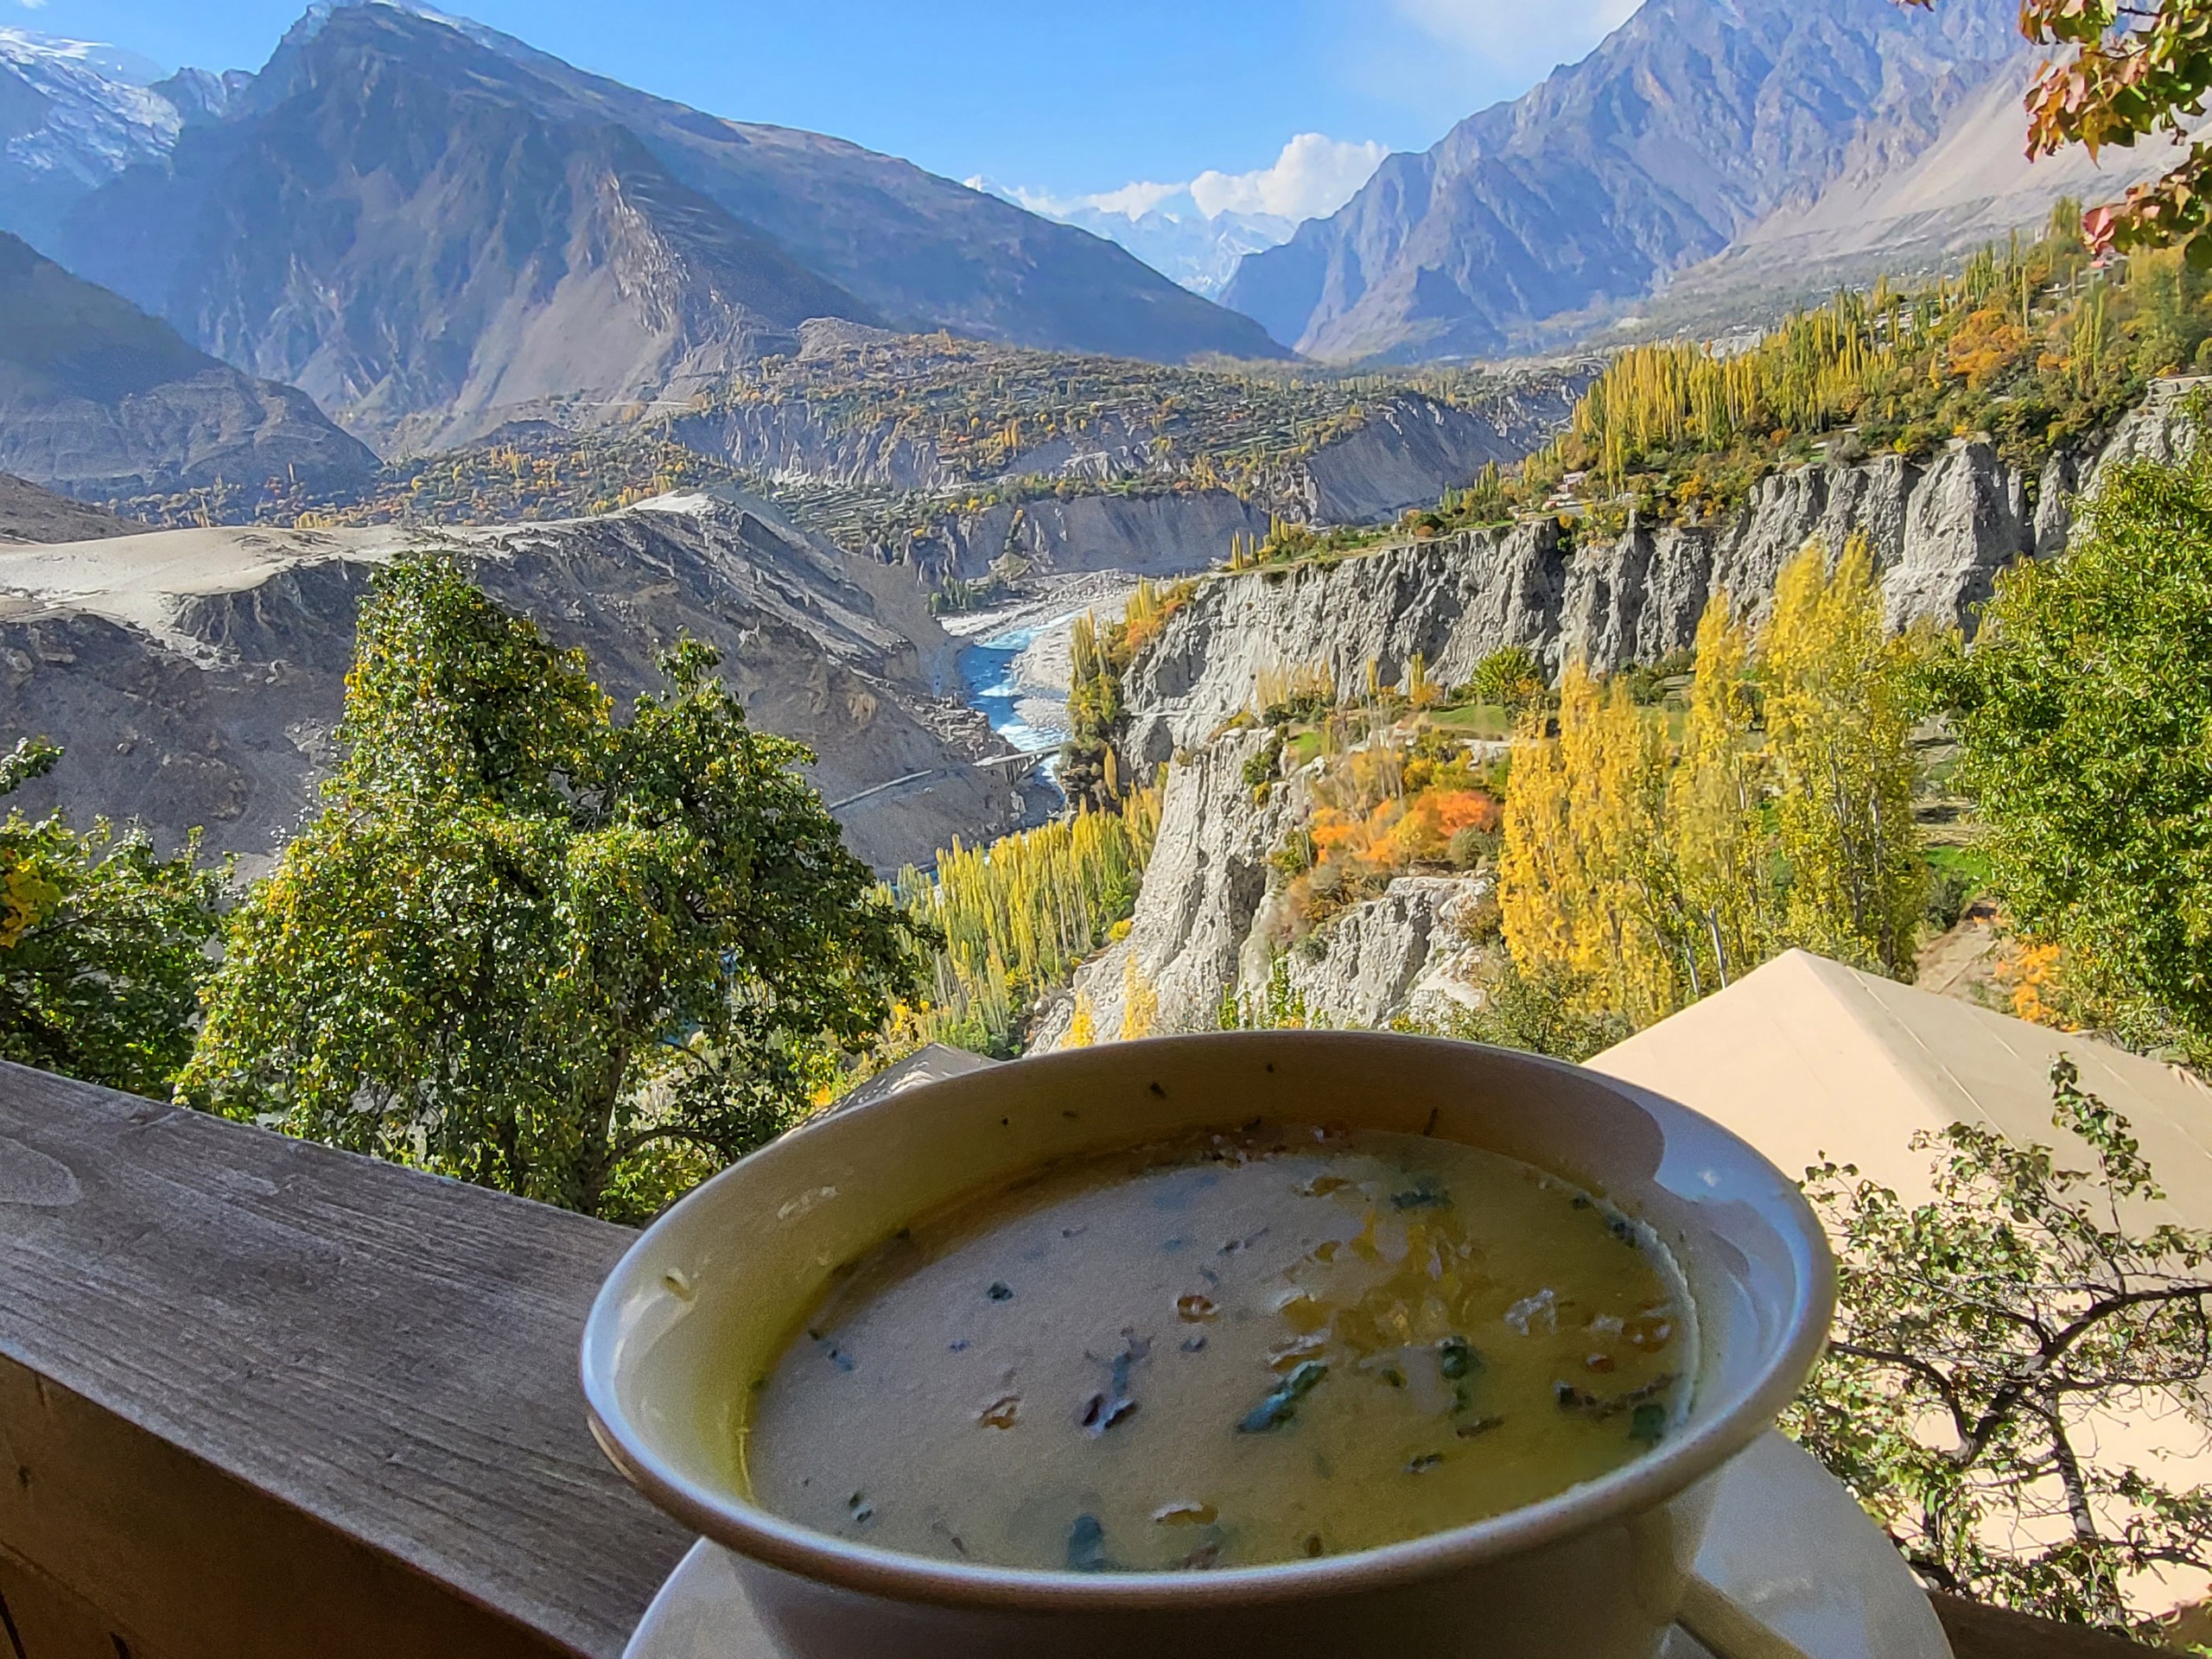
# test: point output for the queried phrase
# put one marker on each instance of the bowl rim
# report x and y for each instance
(1634, 1488)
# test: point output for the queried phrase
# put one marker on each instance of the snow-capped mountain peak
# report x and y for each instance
(79, 110)
(1164, 226)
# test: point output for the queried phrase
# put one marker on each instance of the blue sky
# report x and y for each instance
(1063, 97)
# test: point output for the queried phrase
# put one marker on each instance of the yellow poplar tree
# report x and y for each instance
(1617, 766)
(1719, 840)
(1539, 870)
(1083, 1027)
(1583, 877)
(1140, 1002)
(1839, 725)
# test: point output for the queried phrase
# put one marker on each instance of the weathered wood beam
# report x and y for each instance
(1980, 1632)
(258, 1397)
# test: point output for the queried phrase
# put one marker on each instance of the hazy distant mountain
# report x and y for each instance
(99, 400)
(421, 222)
(1692, 122)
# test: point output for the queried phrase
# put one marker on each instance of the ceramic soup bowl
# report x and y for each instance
(706, 1298)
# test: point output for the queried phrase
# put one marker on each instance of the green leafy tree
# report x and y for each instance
(538, 947)
(1509, 677)
(2082, 715)
(102, 944)
(1979, 1337)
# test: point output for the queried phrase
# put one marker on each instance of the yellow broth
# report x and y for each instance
(1231, 1349)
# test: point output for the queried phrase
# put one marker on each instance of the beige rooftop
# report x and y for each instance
(1806, 1057)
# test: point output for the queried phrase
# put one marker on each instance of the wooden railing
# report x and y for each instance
(262, 1400)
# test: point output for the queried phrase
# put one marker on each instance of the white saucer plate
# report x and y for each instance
(1787, 1544)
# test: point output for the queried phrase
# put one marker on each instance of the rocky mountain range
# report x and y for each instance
(1972, 186)
(73, 115)
(97, 399)
(421, 223)
(1693, 123)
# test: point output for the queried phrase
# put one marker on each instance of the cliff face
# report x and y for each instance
(1192, 932)
(1410, 450)
(195, 677)
(1160, 535)
(1209, 917)
(1940, 533)
(1405, 952)
(1207, 922)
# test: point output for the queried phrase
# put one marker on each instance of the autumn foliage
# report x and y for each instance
(1647, 871)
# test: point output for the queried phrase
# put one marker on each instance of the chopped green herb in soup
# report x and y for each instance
(1227, 1350)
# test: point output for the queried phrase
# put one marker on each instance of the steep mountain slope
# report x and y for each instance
(926, 252)
(396, 222)
(30, 514)
(1691, 123)
(99, 400)
(423, 222)
(1972, 186)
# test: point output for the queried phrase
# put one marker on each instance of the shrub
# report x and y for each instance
(1510, 677)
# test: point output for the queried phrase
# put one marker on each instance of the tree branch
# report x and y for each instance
(1918, 1367)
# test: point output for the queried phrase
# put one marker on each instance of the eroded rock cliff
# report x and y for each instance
(1209, 875)
(1941, 532)
(1211, 921)
(1209, 926)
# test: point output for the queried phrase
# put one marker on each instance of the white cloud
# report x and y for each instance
(1507, 36)
(32, 5)
(1132, 201)
(1314, 176)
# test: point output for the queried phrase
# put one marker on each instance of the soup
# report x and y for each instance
(1222, 1351)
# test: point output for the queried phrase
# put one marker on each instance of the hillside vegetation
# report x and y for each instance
(987, 410)
(2038, 348)
(1015, 917)
(987, 423)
